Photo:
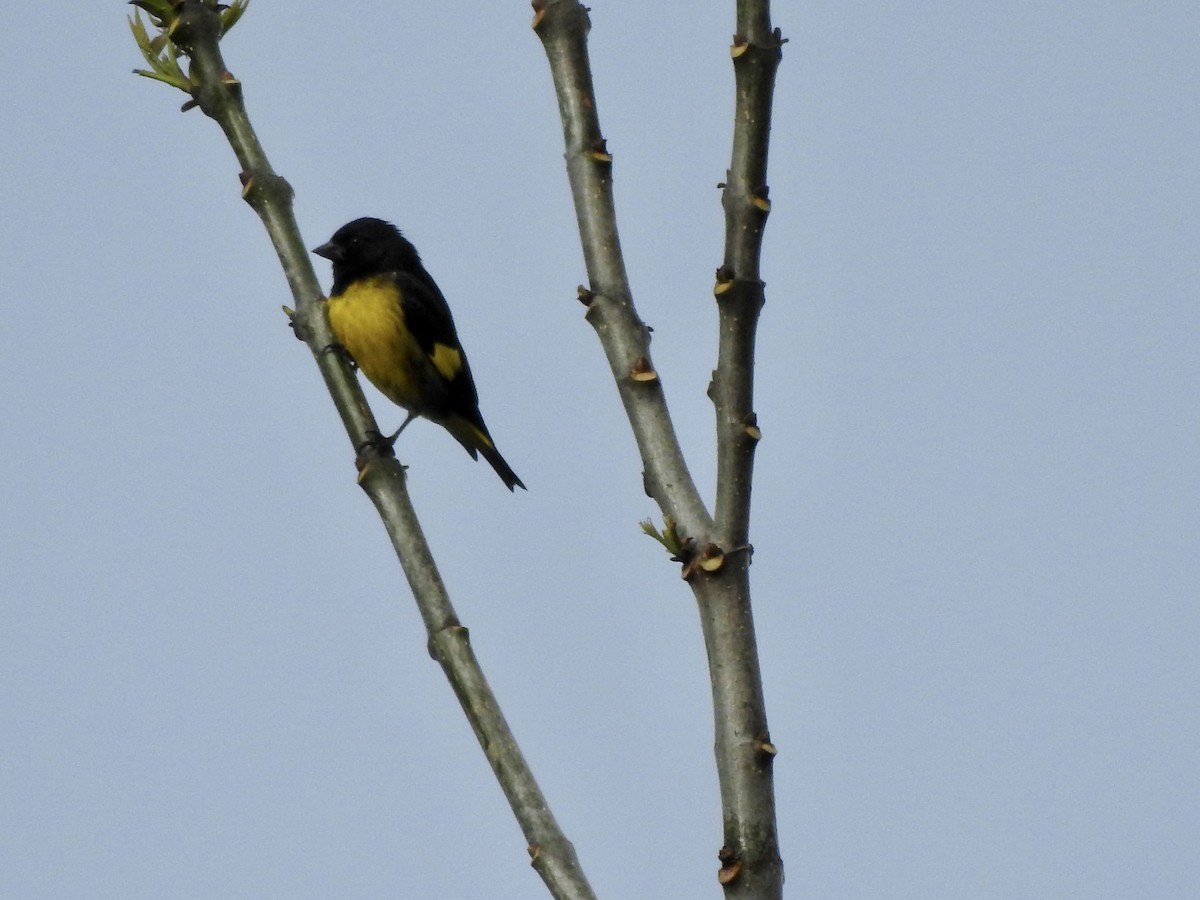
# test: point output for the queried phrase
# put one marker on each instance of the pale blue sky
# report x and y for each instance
(977, 522)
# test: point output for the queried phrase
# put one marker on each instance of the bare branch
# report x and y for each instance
(739, 290)
(751, 865)
(195, 28)
(562, 26)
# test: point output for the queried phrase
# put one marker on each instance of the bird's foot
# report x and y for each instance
(341, 351)
(375, 445)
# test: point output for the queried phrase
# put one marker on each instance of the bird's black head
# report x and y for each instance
(367, 247)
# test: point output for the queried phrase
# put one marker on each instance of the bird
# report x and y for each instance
(389, 315)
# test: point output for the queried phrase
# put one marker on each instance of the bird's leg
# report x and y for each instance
(391, 439)
(383, 444)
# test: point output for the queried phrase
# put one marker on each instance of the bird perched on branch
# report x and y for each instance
(388, 313)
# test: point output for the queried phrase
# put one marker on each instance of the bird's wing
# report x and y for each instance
(428, 318)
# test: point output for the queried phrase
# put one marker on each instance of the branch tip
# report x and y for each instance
(584, 295)
(676, 544)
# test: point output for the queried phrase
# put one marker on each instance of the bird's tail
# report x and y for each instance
(507, 475)
(476, 438)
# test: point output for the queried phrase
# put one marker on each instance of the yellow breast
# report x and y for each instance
(368, 320)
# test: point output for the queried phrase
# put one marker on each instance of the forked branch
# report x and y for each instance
(714, 552)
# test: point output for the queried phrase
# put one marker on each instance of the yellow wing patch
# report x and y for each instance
(446, 360)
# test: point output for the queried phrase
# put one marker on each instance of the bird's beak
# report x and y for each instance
(330, 251)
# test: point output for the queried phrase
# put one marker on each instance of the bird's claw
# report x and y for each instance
(375, 445)
(341, 351)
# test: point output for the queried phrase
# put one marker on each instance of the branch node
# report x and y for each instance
(765, 748)
(725, 281)
(232, 84)
(599, 151)
(731, 866)
(712, 558)
(642, 370)
(539, 13)
(260, 187)
(750, 426)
